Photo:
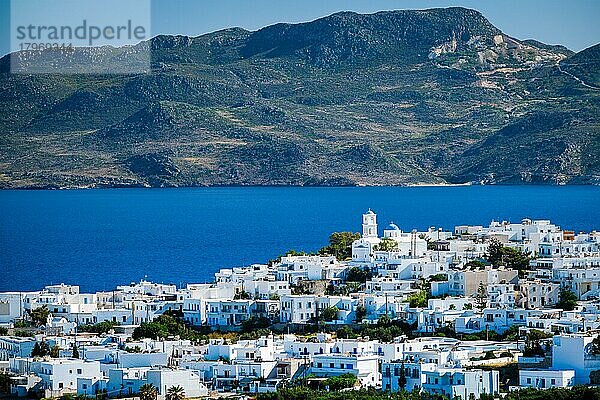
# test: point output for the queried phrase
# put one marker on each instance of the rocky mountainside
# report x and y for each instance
(392, 98)
(584, 66)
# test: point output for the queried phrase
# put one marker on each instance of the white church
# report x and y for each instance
(365, 250)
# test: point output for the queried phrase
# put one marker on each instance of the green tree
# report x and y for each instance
(151, 330)
(148, 392)
(361, 313)
(36, 351)
(162, 327)
(340, 245)
(498, 255)
(402, 381)
(384, 320)
(23, 333)
(21, 323)
(438, 278)
(567, 300)
(533, 343)
(175, 393)
(40, 349)
(39, 315)
(243, 295)
(386, 244)
(341, 382)
(304, 393)
(475, 264)
(495, 252)
(595, 377)
(345, 332)
(329, 313)
(356, 274)
(481, 297)
(134, 349)
(3, 331)
(595, 346)
(54, 352)
(75, 352)
(516, 259)
(254, 324)
(418, 299)
(386, 330)
(4, 382)
(506, 353)
(511, 334)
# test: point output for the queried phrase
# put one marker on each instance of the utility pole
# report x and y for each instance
(386, 305)
(304, 372)
(76, 326)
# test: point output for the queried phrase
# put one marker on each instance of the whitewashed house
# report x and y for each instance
(413, 371)
(12, 346)
(546, 378)
(573, 352)
(59, 375)
(458, 383)
(365, 367)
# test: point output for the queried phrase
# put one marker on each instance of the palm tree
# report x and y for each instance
(148, 392)
(175, 393)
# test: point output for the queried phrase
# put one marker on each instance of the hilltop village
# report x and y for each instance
(478, 311)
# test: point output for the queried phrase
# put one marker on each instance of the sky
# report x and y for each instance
(573, 23)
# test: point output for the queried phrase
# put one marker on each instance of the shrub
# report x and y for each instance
(418, 299)
(341, 382)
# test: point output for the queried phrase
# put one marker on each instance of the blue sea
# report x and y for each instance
(102, 238)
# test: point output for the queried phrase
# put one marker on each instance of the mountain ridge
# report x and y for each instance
(399, 97)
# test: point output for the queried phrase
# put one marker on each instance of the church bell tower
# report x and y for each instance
(369, 225)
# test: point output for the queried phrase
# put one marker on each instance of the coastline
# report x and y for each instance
(408, 185)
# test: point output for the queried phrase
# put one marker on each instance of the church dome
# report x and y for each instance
(393, 227)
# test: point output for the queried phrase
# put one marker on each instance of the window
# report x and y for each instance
(79, 371)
